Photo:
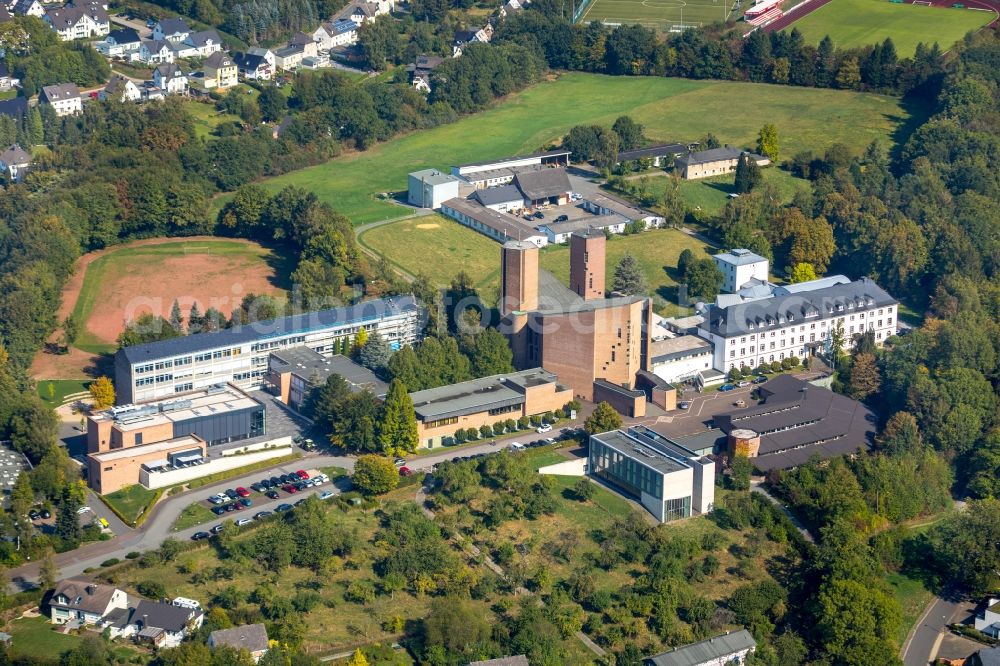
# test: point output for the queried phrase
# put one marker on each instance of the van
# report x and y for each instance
(517, 446)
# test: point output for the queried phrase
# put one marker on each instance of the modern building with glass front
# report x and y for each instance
(668, 479)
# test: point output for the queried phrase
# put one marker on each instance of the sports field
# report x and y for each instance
(124, 282)
(661, 15)
(853, 23)
(670, 109)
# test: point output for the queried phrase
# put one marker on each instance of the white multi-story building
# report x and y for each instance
(240, 355)
(739, 267)
(64, 98)
(169, 78)
(797, 320)
(79, 21)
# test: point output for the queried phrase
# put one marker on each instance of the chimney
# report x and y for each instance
(587, 251)
(518, 277)
(91, 589)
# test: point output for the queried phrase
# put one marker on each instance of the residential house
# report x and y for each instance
(121, 89)
(16, 108)
(988, 622)
(343, 32)
(984, 657)
(729, 649)
(289, 57)
(463, 37)
(510, 7)
(14, 162)
(420, 71)
(174, 30)
(713, 162)
(359, 12)
(64, 98)
(156, 51)
(323, 37)
(28, 8)
(266, 54)
(119, 43)
(309, 47)
(82, 21)
(169, 78)
(315, 62)
(84, 602)
(249, 637)
(253, 67)
(221, 71)
(6, 80)
(199, 44)
(164, 625)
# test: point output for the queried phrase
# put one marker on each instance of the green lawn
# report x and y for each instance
(193, 514)
(662, 15)
(657, 252)
(131, 501)
(436, 246)
(912, 596)
(61, 388)
(36, 637)
(206, 117)
(710, 194)
(670, 109)
(852, 23)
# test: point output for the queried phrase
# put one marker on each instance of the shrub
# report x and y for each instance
(110, 562)
(510, 425)
(485, 431)
(460, 435)
(498, 428)
(132, 555)
(560, 414)
(152, 588)
(549, 417)
(536, 420)
(523, 423)
(471, 434)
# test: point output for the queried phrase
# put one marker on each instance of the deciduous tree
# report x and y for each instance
(102, 392)
(375, 475)
(603, 419)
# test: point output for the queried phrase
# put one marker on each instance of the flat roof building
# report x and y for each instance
(293, 373)
(680, 358)
(429, 188)
(113, 470)
(497, 225)
(669, 480)
(486, 401)
(794, 422)
(740, 266)
(239, 355)
(729, 649)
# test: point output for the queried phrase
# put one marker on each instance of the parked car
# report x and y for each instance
(399, 462)
(242, 492)
(727, 387)
(229, 508)
(218, 510)
(261, 515)
(300, 501)
(547, 441)
(217, 529)
(273, 494)
(258, 487)
(405, 471)
(284, 507)
(246, 501)
(759, 380)
(562, 218)
(215, 499)
(45, 514)
(743, 384)
(275, 481)
(231, 494)
(289, 488)
(683, 405)
(83, 510)
(326, 494)
(243, 521)
(517, 446)
(33, 515)
(302, 474)
(198, 536)
(539, 215)
(287, 478)
(544, 428)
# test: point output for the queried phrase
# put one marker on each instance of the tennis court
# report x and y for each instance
(661, 15)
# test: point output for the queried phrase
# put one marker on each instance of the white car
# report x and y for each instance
(517, 446)
(83, 509)
(544, 428)
(243, 521)
(326, 494)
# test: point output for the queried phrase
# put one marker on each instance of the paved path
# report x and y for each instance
(757, 488)
(922, 644)
(364, 228)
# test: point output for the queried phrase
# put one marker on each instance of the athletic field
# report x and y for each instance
(661, 15)
(853, 23)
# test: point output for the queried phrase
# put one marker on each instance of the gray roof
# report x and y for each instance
(15, 155)
(739, 257)
(519, 660)
(543, 183)
(219, 59)
(716, 155)
(172, 26)
(249, 637)
(82, 595)
(798, 420)
(497, 195)
(985, 657)
(168, 70)
(434, 177)
(713, 440)
(662, 150)
(117, 82)
(299, 323)
(556, 299)
(201, 38)
(157, 45)
(249, 62)
(310, 364)
(424, 64)
(22, 6)
(781, 310)
(60, 91)
(478, 395)
(682, 346)
(706, 651)
(507, 225)
(648, 448)
(504, 160)
(124, 36)
(68, 16)
(289, 50)
(812, 285)
(583, 224)
(162, 616)
(617, 206)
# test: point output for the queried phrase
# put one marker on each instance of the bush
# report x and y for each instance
(549, 417)
(471, 434)
(460, 436)
(560, 414)
(485, 431)
(523, 423)
(510, 425)
(110, 562)
(153, 589)
(498, 428)
(536, 420)
(573, 406)
(132, 555)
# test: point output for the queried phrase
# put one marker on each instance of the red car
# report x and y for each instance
(405, 471)
(242, 492)
(302, 474)
(290, 489)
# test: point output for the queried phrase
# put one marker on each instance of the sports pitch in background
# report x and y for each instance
(662, 15)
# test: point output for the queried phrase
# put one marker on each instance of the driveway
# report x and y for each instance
(138, 26)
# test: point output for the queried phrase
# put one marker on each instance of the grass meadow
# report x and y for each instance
(670, 109)
(853, 23)
(662, 15)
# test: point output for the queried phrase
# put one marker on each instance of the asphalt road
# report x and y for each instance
(923, 644)
(157, 527)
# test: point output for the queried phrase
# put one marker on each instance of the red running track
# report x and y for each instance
(813, 5)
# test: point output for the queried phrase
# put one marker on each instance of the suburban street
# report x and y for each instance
(925, 640)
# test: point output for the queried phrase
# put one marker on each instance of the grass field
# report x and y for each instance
(61, 388)
(436, 246)
(206, 117)
(656, 251)
(853, 23)
(131, 501)
(912, 596)
(124, 282)
(670, 109)
(662, 15)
